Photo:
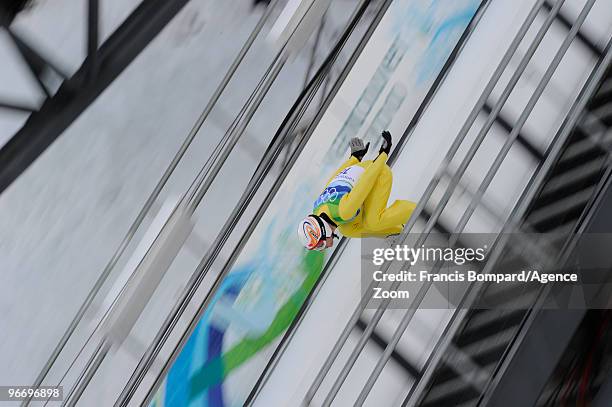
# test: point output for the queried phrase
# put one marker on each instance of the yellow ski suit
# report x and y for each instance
(355, 198)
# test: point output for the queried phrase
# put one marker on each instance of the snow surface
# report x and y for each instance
(62, 220)
(320, 328)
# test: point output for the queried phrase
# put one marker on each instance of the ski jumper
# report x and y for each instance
(356, 196)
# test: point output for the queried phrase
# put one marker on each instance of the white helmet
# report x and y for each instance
(312, 230)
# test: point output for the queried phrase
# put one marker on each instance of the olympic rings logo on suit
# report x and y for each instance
(330, 194)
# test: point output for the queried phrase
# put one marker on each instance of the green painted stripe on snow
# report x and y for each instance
(209, 374)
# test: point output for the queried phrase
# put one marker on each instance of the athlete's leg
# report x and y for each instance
(377, 217)
(376, 202)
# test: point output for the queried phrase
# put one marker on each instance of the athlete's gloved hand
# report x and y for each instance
(386, 144)
(358, 149)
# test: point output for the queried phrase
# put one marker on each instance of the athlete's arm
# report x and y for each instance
(352, 202)
(358, 149)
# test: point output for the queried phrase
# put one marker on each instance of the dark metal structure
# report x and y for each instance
(102, 65)
(506, 336)
(10, 8)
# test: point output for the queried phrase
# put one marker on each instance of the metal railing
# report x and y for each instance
(341, 246)
(577, 112)
(188, 204)
(493, 169)
(265, 165)
(449, 192)
(422, 203)
(197, 191)
(189, 201)
(262, 170)
(131, 233)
